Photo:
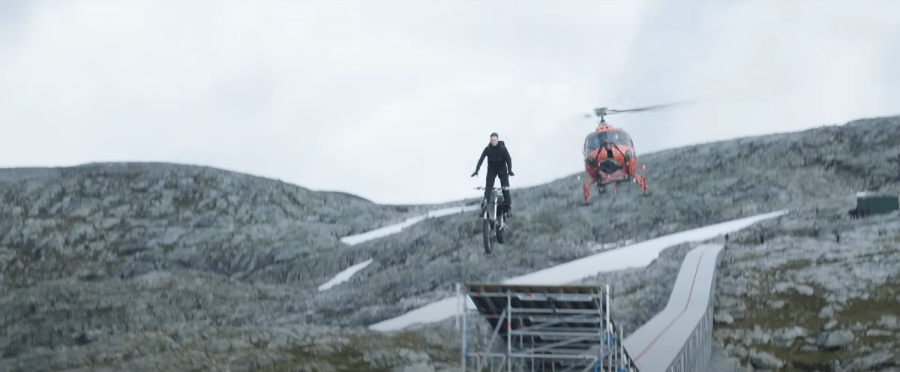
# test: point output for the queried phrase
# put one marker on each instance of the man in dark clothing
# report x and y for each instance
(499, 164)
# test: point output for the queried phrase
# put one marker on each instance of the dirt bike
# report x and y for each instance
(494, 224)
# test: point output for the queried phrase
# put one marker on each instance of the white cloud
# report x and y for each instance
(764, 67)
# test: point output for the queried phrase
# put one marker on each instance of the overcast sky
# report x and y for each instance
(394, 100)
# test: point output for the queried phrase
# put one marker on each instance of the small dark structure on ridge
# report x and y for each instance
(867, 204)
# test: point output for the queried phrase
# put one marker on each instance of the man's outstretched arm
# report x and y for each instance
(481, 159)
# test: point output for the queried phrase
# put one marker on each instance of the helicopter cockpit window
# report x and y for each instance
(593, 142)
(613, 137)
(619, 138)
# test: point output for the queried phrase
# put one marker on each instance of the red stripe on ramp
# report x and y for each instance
(679, 315)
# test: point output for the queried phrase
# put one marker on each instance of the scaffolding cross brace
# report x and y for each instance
(544, 328)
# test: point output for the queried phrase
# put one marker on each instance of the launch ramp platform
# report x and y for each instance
(544, 328)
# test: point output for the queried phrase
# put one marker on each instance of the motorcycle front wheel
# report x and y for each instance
(487, 231)
(498, 232)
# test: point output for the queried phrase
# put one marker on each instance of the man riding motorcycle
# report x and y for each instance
(499, 165)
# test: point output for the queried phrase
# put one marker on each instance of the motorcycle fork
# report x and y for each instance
(495, 210)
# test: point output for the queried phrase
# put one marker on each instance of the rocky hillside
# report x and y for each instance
(131, 266)
(103, 221)
(790, 296)
(794, 300)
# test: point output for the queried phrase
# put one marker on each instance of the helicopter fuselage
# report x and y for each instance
(609, 155)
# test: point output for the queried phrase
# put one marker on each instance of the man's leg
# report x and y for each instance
(507, 201)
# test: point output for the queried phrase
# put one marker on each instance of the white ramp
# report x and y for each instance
(679, 336)
(636, 255)
(395, 228)
(345, 275)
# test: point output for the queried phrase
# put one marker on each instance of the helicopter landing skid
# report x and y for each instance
(642, 181)
(586, 187)
(642, 178)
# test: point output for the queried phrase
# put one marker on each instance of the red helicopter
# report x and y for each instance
(609, 155)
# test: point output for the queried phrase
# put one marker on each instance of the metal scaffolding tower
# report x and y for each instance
(544, 328)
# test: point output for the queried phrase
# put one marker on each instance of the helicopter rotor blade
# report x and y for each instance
(646, 108)
(602, 111)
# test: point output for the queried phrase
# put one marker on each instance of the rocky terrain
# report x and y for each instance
(789, 295)
(799, 301)
(143, 266)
